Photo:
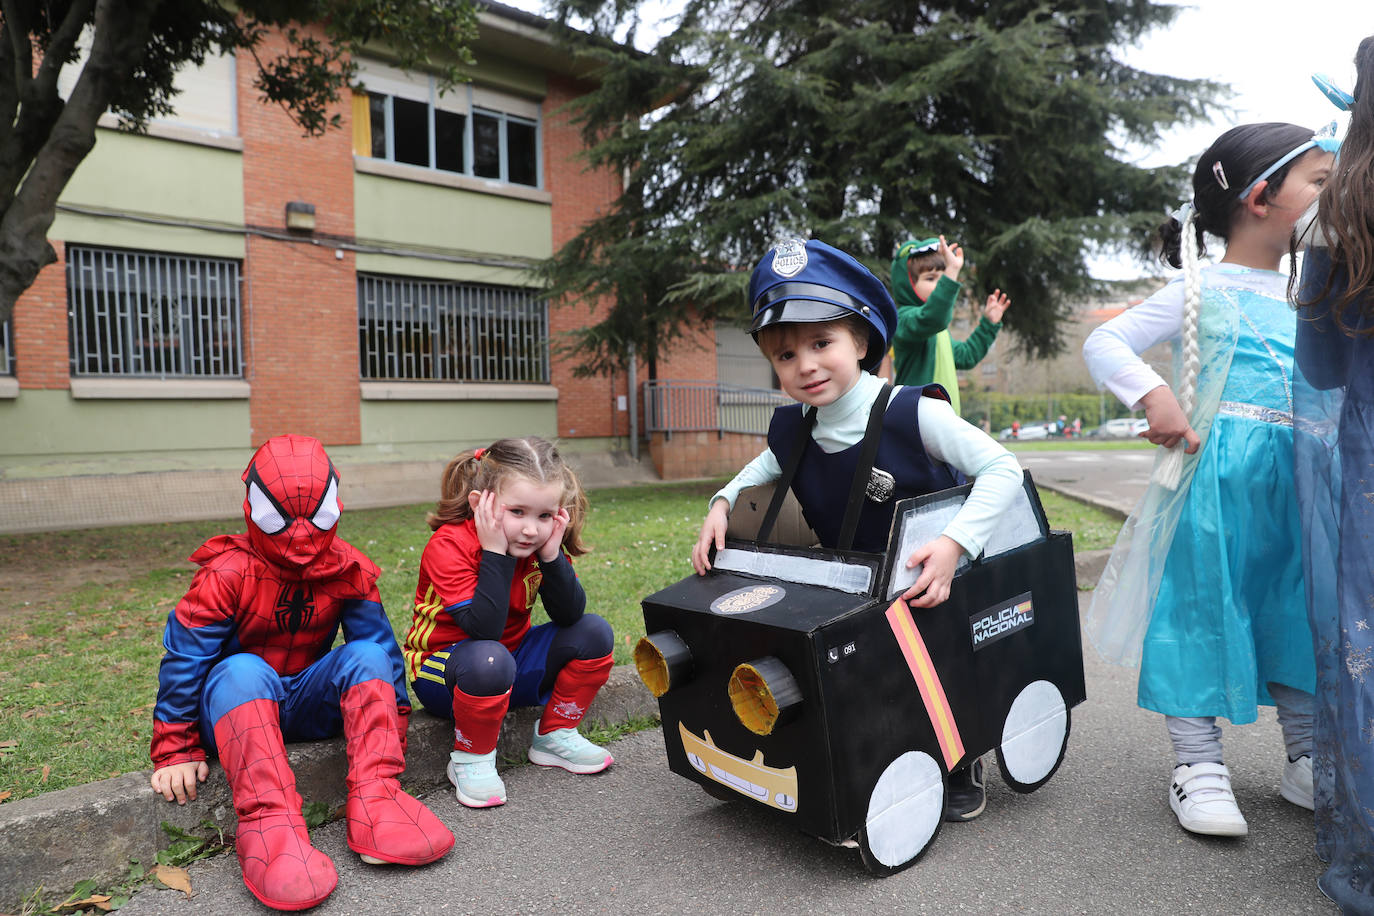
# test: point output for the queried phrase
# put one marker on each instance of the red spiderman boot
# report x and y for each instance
(279, 865)
(385, 825)
(557, 742)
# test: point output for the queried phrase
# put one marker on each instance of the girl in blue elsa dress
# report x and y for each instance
(1334, 403)
(1205, 585)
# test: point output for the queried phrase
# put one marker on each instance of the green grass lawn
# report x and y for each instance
(78, 664)
(1076, 445)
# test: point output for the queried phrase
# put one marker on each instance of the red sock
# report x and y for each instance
(477, 721)
(573, 691)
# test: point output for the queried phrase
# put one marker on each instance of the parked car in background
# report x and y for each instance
(1119, 428)
(1028, 431)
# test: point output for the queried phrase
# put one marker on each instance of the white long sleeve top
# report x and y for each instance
(945, 436)
(1112, 351)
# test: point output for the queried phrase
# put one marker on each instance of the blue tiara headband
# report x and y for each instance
(1335, 94)
(1323, 139)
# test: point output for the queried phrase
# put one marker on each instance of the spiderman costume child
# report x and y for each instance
(248, 665)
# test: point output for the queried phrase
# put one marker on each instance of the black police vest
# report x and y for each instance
(822, 481)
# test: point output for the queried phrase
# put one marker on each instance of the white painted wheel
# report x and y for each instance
(904, 813)
(1034, 736)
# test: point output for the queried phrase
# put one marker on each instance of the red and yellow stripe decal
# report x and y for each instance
(927, 682)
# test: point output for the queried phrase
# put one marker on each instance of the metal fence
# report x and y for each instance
(434, 330)
(689, 406)
(153, 315)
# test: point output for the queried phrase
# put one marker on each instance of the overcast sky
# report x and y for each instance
(1265, 49)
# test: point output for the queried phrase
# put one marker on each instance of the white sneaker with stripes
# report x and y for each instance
(1201, 797)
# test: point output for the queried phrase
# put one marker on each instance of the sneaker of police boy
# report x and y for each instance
(566, 748)
(1201, 797)
(1297, 782)
(474, 776)
(967, 797)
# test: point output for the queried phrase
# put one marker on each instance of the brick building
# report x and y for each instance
(223, 279)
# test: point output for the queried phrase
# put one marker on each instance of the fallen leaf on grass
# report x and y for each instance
(44, 778)
(4, 795)
(75, 906)
(175, 878)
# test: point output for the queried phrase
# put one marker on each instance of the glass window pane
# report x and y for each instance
(521, 153)
(376, 105)
(448, 141)
(486, 146)
(410, 130)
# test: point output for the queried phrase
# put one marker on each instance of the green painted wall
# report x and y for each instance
(424, 430)
(504, 73)
(435, 217)
(164, 178)
(49, 433)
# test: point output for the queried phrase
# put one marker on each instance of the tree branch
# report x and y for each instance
(117, 46)
(60, 46)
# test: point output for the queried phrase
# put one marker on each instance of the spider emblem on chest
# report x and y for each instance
(294, 608)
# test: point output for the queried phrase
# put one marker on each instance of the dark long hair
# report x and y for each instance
(1228, 166)
(1345, 208)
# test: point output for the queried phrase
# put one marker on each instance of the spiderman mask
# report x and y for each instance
(292, 504)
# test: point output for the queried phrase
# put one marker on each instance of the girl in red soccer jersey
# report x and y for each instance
(507, 524)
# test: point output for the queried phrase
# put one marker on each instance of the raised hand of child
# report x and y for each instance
(954, 258)
(712, 532)
(938, 560)
(487, 515)
(996, 306)
(1168, 423)
(550, 549)
(177, 781)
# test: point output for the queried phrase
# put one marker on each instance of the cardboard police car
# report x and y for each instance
(797, 677)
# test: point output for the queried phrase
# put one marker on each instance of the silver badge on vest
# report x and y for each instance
(881, 485)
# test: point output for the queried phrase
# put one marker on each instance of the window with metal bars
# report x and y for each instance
(435, 330)
(6, 348)
(147, 315)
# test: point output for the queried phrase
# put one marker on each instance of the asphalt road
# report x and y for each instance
(1098, 838)
(1111, 478)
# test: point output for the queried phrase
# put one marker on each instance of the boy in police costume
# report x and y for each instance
(824, 321)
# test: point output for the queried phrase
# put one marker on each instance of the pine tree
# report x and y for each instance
(863, 123)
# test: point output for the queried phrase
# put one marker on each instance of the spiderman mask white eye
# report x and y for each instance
(264, 512)
(328, 512)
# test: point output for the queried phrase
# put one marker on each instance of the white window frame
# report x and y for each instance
(388, 83)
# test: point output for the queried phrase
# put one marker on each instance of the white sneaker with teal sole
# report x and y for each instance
(566, 748)
(474, 776)
(1296, 785)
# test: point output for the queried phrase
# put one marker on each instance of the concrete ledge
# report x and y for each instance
(92, 831)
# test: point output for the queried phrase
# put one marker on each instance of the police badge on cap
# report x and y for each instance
(789, 257)
(809, 281)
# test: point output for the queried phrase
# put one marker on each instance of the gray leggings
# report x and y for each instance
(1197, 739)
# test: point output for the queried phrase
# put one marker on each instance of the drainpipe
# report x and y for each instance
(633, 385)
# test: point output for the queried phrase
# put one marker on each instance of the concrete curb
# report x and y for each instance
(60, 838)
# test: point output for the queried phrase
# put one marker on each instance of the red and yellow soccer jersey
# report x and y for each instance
(448, 579)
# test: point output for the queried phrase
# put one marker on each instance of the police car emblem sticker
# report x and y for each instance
(1002, 620)
(789, 257)
(749, 598)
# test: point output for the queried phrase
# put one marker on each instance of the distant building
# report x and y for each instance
(1005, 371)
